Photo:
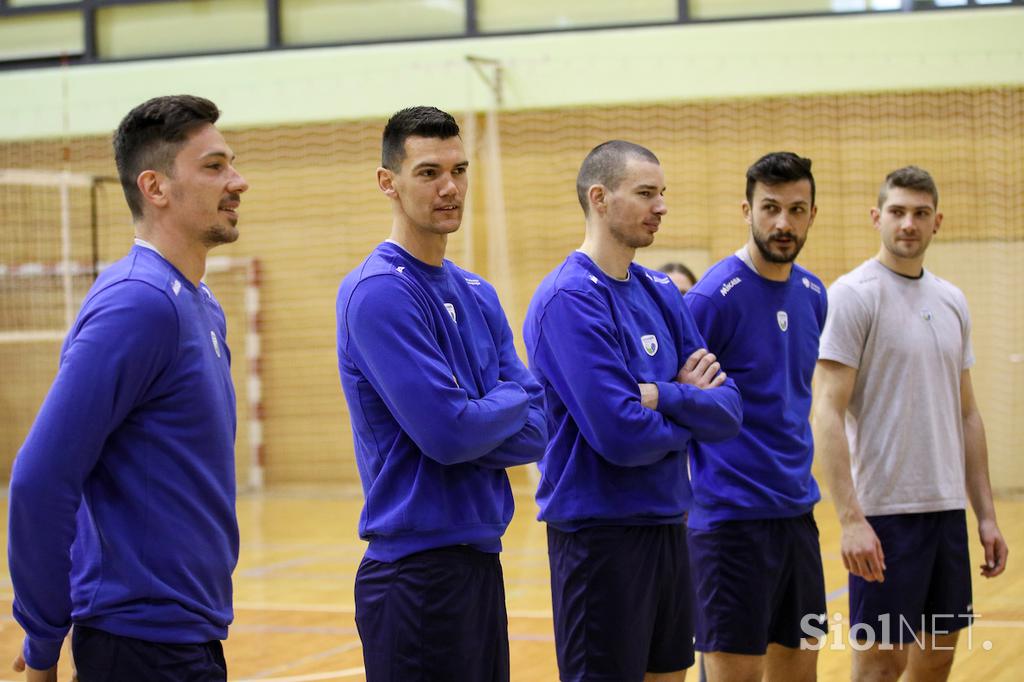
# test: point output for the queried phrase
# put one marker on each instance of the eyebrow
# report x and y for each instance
(220, 153)
(434, 164)
(654, 187)
(773, 200)
(916, 208)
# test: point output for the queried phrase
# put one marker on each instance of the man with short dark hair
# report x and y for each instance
(122, 502)
(440, 406)
(754, 545)
(903, 443)
(629, 384)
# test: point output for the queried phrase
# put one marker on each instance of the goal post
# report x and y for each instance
(50, 256)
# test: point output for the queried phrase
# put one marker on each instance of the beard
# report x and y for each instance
(216, 235)
(636, 240)
(764, 245)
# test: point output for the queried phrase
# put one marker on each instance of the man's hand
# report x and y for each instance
(996, 550)
(701, 370)
(862, 551)
(649, 396)
(31, 674)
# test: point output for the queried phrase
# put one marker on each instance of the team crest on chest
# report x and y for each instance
(650, 344)
(783, 319)
(451, 311)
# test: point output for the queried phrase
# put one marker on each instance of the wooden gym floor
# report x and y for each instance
(294, 606)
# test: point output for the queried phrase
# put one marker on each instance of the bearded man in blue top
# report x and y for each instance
(122, 503)
(440, 406)
(753, 541)
(628, 385)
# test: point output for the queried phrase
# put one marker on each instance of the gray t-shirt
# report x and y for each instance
(909, 340)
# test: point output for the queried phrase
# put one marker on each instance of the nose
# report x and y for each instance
(448, 187)
(782, 221)
(907, 223)
(660, 207)
(238, 183)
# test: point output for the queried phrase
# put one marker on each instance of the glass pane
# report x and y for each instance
(525, 15)
(180, 27)
(41, 36)
(721, 9)
(311, 22)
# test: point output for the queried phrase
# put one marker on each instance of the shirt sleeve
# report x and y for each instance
(528, 444)
(122, 342)
(389, 338)
(847, 325)
(577, 351)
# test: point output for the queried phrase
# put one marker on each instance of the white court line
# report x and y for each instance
(332, 675)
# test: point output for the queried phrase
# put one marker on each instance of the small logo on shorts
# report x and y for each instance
(451, 311)
(783, 320)
(216, 345)
(650, 343)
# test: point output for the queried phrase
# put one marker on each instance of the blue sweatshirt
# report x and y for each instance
(122, 501)
(591, 339)
(765, 334)
(439, 402)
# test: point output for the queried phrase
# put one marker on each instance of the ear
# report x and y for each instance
(153, 186)
(938, 222)
(876, 216)
(597, 196)
(814, 213)
(386, 182)
(747, 212)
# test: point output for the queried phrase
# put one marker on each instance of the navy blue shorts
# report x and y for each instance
(758, 582)
(622, 600)
(433, 616)
(927, 584)
(103, 657)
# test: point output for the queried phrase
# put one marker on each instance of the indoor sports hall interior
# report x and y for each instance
(305, 86)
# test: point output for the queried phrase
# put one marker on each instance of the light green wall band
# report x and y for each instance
(905, 51)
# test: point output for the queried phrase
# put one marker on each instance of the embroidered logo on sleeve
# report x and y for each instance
(783, 319)
(729, 285)
(808, 284)
(176, 287)
(650, 344)
(926, 315)
(216, 345)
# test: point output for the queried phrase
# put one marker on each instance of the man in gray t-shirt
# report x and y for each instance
(903, 445)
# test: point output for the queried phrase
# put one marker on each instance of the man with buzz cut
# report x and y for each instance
(440, 406)
(628, 385)
(903, 443)
(753, 540)
(122, 502)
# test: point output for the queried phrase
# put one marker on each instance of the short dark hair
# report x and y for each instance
(778, 168)
(413, 121)
(150, 136)
(606, 165)
(909, 177)
(669, 268)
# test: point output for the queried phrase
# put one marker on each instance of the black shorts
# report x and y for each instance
(433, 616)
(758, 582)
(104, 657)
(927, 587)
(623, 601)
